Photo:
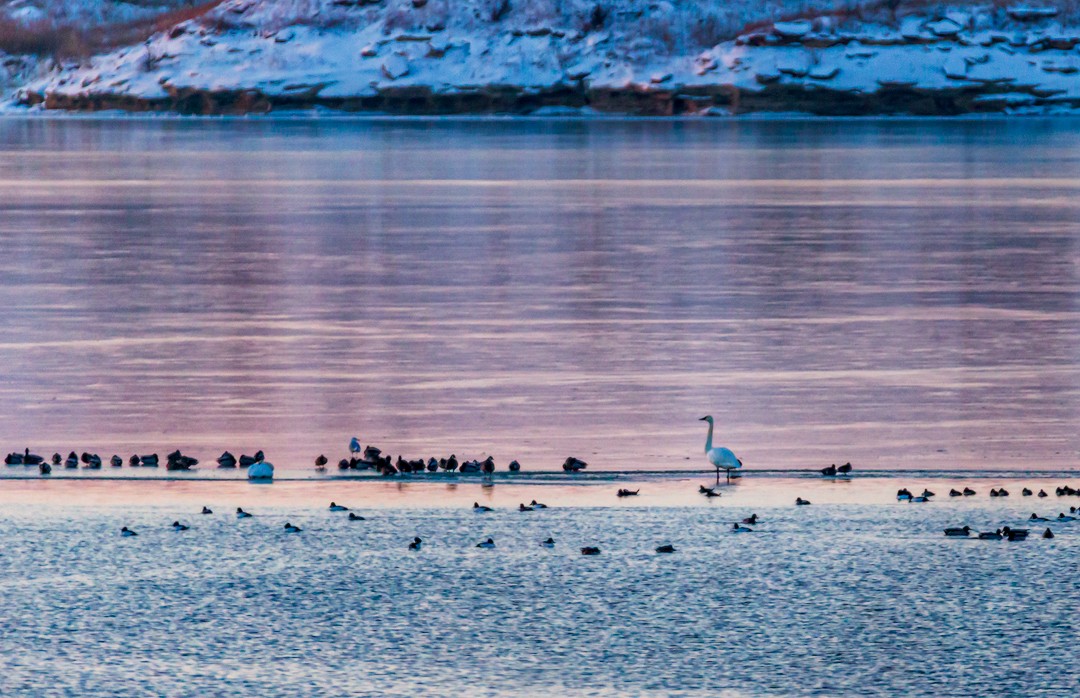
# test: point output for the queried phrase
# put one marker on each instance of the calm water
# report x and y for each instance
(855, 595)
(897, 294)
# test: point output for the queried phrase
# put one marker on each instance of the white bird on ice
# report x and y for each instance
(720, 457)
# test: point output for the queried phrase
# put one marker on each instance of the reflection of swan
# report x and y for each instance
(263, 470)
(720, 457)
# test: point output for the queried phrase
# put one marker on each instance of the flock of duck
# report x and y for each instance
(1005, 532)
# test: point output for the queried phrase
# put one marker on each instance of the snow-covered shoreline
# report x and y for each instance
(966, 59)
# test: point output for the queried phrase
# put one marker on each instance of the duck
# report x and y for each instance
(416, 543)
(247, 461)
(116, 461)
(150, 461)
(1042, 493)
(487, 544)
(928, 494)
(962, 532)
(955, 493)
(711, 493)
(44, 468)
(334, 506)
(627, 493)
(206, 510)
(800, 502)
(903, 495)
(32, 458)
(1014, 533)
(226, 460)
(752, 519)
(177, 526)
(514, 466)
(289, 528)
(537, 505)
(574, 465)
(57, 459)
(480, 509)
(666, 548)
(433, 465)
(1063, 517)
(13, 459)
(178, 461)
(1033, 517)
(320, 462)
(344, 464)
(845, 469)
(241, 514)
(127, 532)
(990, 535)
(1026, 492)
(590, 550)
(968, 492)
(549, 543)
(92, 460)
(522, 507)
(702, 489)
(355, 517)
(994, 493)
(830, 471)
(1048, 534)
(72, 461)
(133, 462)
(1003, 492)
(737, 528)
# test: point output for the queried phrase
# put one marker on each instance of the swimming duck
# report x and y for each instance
(334, 506)
(844, 469)
(1003, 492)
(1063, 517)
(590, 550)
(968, 492)
(206, 510)
(736, 528)
(487, 545)
(320, 462)
(666, 549)
(990, 535)
(226, 460)
(830, 471)
(1026, 492)
(480, 509)
(1048, 533)
(127, 533)
(627, 493)
(1042, 493)
(711, 493)
(549, 543)
(993, 493)
(522, 507)
(800, 502)
(962, 532)
(928, 494)
(241, 514)
(752, 519)
(1014, 533)
(116, 461)
(354, 517)
(1033, 517)
(702, 489)
(416, 543)
(955, 493)
(537, 505)
(903, 495)
(289, 528)
(177, 526)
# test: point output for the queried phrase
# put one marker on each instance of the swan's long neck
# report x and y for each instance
(708, 439)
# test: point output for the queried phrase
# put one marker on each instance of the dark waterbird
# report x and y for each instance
(962, 532)
(666, 549)
(248, 461)
(574, 465)
(45, 468)
(226, 460)
(57, 459)
(320, 462)
(116, 461)
(590, 550)
(416, 543)
(800, 502)
(355, 517)
(627, 493)
(178, 461)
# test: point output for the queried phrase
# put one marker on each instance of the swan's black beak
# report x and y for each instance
(704, 419)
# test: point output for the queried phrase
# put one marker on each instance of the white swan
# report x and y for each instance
(262, 471)
(720, 457)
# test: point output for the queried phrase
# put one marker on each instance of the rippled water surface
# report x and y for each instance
(854, 595)
(897, 294)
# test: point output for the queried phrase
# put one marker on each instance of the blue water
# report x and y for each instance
(854, 595)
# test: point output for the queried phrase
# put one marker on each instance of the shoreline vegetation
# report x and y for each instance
(542, 57)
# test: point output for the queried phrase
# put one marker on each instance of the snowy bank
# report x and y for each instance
(521, 56)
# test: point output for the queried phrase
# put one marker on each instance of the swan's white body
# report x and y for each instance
(261, 471)
(720, 457)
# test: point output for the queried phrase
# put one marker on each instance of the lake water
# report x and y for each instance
(854, 595)
(899, 294)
